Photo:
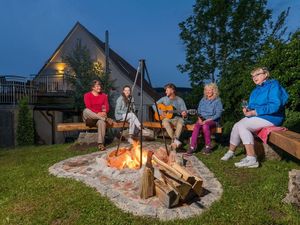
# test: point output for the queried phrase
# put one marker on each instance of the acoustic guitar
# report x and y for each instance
(169, 110)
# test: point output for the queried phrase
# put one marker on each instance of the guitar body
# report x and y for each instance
(168, 109)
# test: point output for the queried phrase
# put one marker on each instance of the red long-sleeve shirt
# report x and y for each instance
(95, 103)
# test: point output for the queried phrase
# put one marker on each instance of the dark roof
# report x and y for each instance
(122, 64)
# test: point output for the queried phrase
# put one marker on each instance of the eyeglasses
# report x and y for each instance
(255, 75)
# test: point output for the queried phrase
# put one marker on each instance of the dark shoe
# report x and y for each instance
(189, 152)
(91, 122)
(207, 150)
(101, 147)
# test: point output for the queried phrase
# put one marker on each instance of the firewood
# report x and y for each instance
(165, 166)
(186, 175)
(180, 185)
(168, 196)
(147, 180)
(197, 186)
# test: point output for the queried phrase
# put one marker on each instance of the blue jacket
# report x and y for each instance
(268, 100)
(210, 109)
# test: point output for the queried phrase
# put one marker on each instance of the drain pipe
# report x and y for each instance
(52, 126)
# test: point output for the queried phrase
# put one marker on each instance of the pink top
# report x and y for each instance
(97, 103)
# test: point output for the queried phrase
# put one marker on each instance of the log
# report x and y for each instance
(197, 186)
(165, 166)
(167, 196)
(180, 185)
(147, 179)
(185, 174)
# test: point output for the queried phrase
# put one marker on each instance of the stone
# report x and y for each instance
(265, 151)
(87, 138)
(293, 195)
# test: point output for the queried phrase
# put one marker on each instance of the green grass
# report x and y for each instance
(30, 195)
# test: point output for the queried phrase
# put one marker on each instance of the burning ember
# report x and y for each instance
(127, 157)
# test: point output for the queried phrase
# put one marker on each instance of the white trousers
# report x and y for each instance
(133, 122)
(244, 129)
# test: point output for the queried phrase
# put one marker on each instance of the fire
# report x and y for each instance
(127, 158)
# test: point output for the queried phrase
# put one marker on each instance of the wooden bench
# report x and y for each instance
(154, 125)
(288, 141)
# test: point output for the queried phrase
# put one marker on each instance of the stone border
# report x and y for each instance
(124, 194)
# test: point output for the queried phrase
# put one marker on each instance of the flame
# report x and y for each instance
(127, 158)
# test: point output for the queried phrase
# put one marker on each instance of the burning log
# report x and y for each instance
(147, 180)
(167, 195)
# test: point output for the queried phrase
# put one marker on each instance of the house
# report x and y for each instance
(50, 93)
(54, 100)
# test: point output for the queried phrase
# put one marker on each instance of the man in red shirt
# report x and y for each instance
(97, 108)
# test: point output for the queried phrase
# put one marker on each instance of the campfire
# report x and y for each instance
(127, 157)
(172, 183)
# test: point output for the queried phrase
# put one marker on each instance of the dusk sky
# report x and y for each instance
(32, 29)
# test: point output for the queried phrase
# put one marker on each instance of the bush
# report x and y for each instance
(292, 121)
(25, 130)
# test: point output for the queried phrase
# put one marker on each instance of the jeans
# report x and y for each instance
(205, 128)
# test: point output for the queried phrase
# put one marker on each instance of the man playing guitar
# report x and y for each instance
(179, 112)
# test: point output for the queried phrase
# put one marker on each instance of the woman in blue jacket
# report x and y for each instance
(265, 108)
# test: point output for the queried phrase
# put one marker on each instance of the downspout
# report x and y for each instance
(52, 126)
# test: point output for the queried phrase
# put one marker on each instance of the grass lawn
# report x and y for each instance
(30, 195)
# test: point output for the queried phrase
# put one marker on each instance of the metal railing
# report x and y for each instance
(13, 91)
(52, 83)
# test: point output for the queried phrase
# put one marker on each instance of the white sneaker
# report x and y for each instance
(228, 155)
(246, 163)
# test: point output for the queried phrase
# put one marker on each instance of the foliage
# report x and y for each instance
(84, 70)
(25, 130)
(283, 60)
(292, 121)
(221, 33)
(33, 196)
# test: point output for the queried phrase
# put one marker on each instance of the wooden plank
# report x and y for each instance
(82, 126)
(288, 141)
(188, 127)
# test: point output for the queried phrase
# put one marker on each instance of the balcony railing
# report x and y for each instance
(52, 83)
(11, 92)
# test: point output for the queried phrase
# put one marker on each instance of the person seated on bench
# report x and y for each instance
(179, 111)
(265, 108)
(121, 109)
(97, 108)
(210, 109)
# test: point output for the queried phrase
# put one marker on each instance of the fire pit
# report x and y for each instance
(121, 181)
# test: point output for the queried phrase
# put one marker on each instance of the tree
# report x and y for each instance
(220, 34)
(25, 130)
(83, 71)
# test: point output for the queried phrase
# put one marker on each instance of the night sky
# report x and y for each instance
(32, 29)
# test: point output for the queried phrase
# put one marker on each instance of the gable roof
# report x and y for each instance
(127, 69)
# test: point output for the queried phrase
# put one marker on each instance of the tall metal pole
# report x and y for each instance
(142, 63)
(106, 52)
